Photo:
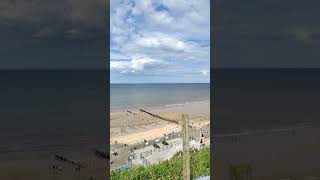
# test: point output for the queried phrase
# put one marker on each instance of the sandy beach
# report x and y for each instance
(134, 127)
(129, 128)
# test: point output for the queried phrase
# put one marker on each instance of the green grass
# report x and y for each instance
(171, 169)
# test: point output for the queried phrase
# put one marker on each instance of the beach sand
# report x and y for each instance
(128, 128)
(131, 129)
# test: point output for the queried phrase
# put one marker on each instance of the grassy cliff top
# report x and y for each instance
(170, 169)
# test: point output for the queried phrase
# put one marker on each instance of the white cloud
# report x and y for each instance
(137, 64)
(186, 18)
(205, 72)
(175, 32)
(166, 47)
(117, 56)
(161, 18)
(118, 24)
(162, 41)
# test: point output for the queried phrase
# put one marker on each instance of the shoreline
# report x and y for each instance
(132, 129)
(156, 107)
(143, 126)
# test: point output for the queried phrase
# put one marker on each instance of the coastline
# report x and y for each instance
(131, 129)
(151, 128)
(156, 107)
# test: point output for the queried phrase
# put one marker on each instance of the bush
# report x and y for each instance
(170, 169)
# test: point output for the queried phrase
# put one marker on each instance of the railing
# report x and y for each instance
(146, 153)
(162, 148)
(145, 161)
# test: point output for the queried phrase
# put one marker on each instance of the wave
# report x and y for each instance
(170, 105)
(187, 102)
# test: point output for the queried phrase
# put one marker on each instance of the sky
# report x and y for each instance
(266, 34)
(58, 34)
(166, 40)
(155, 41)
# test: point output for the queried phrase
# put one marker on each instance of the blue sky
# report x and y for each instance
(157, 41)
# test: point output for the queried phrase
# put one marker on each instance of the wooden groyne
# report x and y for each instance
(68, 161)
(157, 116)
(102, 154)
(131, 112)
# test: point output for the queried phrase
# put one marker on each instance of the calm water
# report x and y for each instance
(249, 99)
(65, 111)
(140, 95)
(46, 112)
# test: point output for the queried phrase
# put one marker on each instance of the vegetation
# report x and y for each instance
(170, 169)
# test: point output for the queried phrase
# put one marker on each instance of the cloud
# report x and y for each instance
(175, 33)
(188, 18)
(205, 72)
(118, 56)
(58, 34)
(58, 16)
(166, 47)
(266, 34)
(137, 64)
(160, 41)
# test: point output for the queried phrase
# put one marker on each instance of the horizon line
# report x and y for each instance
(166, 83)
(108, 69)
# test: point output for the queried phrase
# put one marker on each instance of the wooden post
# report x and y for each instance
(186, 152)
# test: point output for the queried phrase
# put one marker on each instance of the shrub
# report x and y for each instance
(170, 169)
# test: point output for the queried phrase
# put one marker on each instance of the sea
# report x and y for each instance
(127, 96)
(52, 112)
(247, 100)
(66, 112)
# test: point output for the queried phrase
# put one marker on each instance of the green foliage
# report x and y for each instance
(171, 169)
(200, 163)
